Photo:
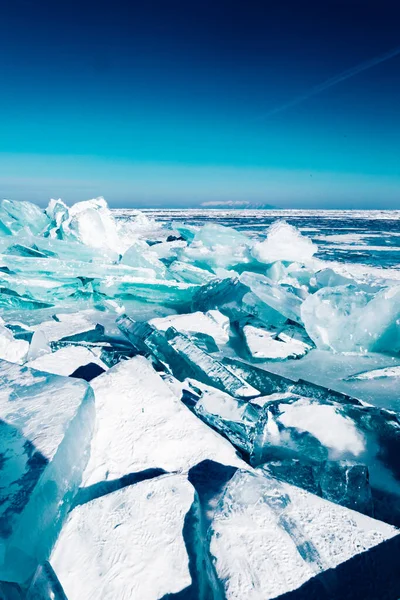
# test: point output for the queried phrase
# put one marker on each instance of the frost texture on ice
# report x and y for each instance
(140, 424)
(268, 537)
(46, 427)
(128, 544)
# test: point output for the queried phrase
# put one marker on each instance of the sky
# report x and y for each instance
(181, 103)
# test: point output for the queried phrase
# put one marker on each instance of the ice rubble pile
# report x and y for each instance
(190, 412)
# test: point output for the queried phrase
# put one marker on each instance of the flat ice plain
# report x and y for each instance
(199, 404)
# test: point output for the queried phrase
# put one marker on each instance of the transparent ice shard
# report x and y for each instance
(182, 271)
(346, 319)
(109, 547)
(23, 215)
(47, 424)
(45, 585)
(141, 255)
(277, 297)
(188, 232)
(207, 368)
(343, 482)
(183, 357)
(235, 419)
(215, 246)
(269, 538)
(225, 295)
(142, 425)
(284, 243)
(158, 291)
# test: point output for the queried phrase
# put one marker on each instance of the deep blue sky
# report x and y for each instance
(162, 102)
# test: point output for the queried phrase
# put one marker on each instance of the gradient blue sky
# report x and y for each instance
(163, 102)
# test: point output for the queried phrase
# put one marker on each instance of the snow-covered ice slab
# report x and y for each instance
(66, 360)
(46, 427)
(142, 425)
(264, 344)
(127, 545)
(270, 538)
(212, 323)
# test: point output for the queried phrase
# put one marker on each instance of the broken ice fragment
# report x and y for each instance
(315, 430)
(11, 349)
(376, 374)
(262, 344)
(285, 243)
(47, 424)
(66, 360)
(140, 255)
(277, 297)
(24, 215)
(343, 482)
(142, 425)
(212, 323)
(182, 271)
(128, 544)
(346, 319)
(269, 538)
(182, 357)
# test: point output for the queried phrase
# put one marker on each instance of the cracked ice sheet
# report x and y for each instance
(269, 538)
(128, 544)
(141, 425)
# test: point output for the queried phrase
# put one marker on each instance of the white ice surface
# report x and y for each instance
(212, 323)
(127, 545)
(67, 325)
(66, 360)
(262, 525)
(261, 344)
(141, 424)
(284, 242)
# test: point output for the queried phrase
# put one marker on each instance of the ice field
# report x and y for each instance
(199, 404)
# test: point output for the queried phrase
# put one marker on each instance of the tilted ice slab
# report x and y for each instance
(46, 426)
(212, 323)
(66, 360)
(128, 544)
(269, 538)
(142, 425)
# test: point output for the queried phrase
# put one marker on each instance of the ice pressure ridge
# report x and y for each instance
(190, 412)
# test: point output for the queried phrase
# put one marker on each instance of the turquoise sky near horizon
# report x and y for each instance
(150, 107)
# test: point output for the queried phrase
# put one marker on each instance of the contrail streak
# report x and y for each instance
(333, 81)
